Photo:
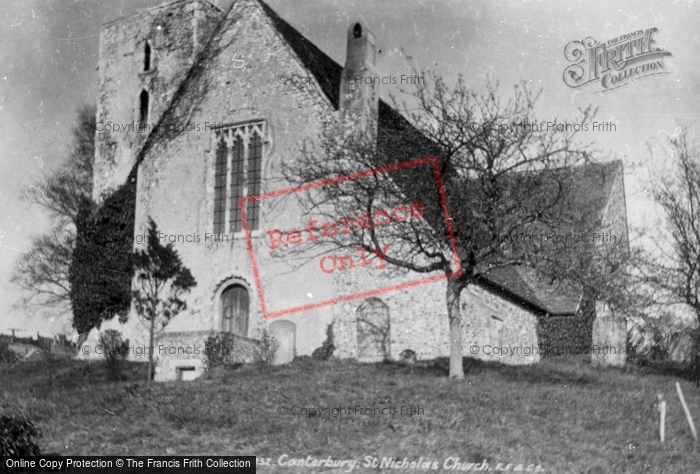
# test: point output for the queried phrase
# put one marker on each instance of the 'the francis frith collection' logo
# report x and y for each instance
(616, 63)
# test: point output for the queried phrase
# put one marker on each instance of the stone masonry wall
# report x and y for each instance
(419, 322)
(418, 315)
(176, 350)
(497, 330)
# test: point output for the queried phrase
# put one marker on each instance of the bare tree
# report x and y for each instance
(676, 270)
(504, 173)
(43, 270)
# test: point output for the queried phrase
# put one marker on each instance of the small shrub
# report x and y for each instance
(17, 437)
(662, 338)
(326, 350)
(217, 350)
(266, 349)
(222, 350)
(114, 350)
(7, 355)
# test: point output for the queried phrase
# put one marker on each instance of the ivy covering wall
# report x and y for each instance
(558, 335)
(101, 270)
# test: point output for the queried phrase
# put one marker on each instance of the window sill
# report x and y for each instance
(241, 235)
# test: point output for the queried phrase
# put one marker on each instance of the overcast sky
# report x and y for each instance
(49, 54)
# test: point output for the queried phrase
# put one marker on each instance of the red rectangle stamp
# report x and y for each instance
(295, 263)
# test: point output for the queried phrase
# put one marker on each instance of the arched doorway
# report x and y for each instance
(373, 331)
(235, 305)
(284, 333)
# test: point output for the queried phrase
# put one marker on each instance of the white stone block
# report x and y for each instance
(609, 339)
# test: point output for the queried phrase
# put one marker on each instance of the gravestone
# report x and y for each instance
(373, 331)
(408, 356)
(609, 338)
(680, 347)
(284, 333)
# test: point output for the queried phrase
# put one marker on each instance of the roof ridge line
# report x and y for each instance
(264, 9)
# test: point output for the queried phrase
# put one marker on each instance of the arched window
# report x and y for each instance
(143, 108)
(147, 57)
(238, 174)
(357, 31)
(235, 304)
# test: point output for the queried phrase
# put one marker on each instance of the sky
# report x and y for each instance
(49, 54)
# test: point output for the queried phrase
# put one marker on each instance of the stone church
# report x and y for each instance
(214, 124)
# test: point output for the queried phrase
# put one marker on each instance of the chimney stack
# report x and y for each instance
(359, 99)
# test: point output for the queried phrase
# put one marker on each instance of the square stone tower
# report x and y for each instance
(143, 59)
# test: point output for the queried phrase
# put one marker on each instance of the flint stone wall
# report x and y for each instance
(179, 349)
(419, 322)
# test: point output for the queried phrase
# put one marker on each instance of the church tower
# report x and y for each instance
(143, 59)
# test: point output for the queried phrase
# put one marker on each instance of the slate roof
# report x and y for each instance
(589, 198)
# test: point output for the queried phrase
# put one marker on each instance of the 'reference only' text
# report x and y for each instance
(330, 263)
(347, 224)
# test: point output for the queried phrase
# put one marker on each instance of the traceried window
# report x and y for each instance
(238, 173)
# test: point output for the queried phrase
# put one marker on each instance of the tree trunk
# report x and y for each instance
(81, 338)
(455, 318)
(151, 349)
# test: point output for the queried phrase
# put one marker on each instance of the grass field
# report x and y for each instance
(565, 416)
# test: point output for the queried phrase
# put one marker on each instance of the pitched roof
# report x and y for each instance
(523, 285)
(589, 198)
(591, 192)
(326, 71)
